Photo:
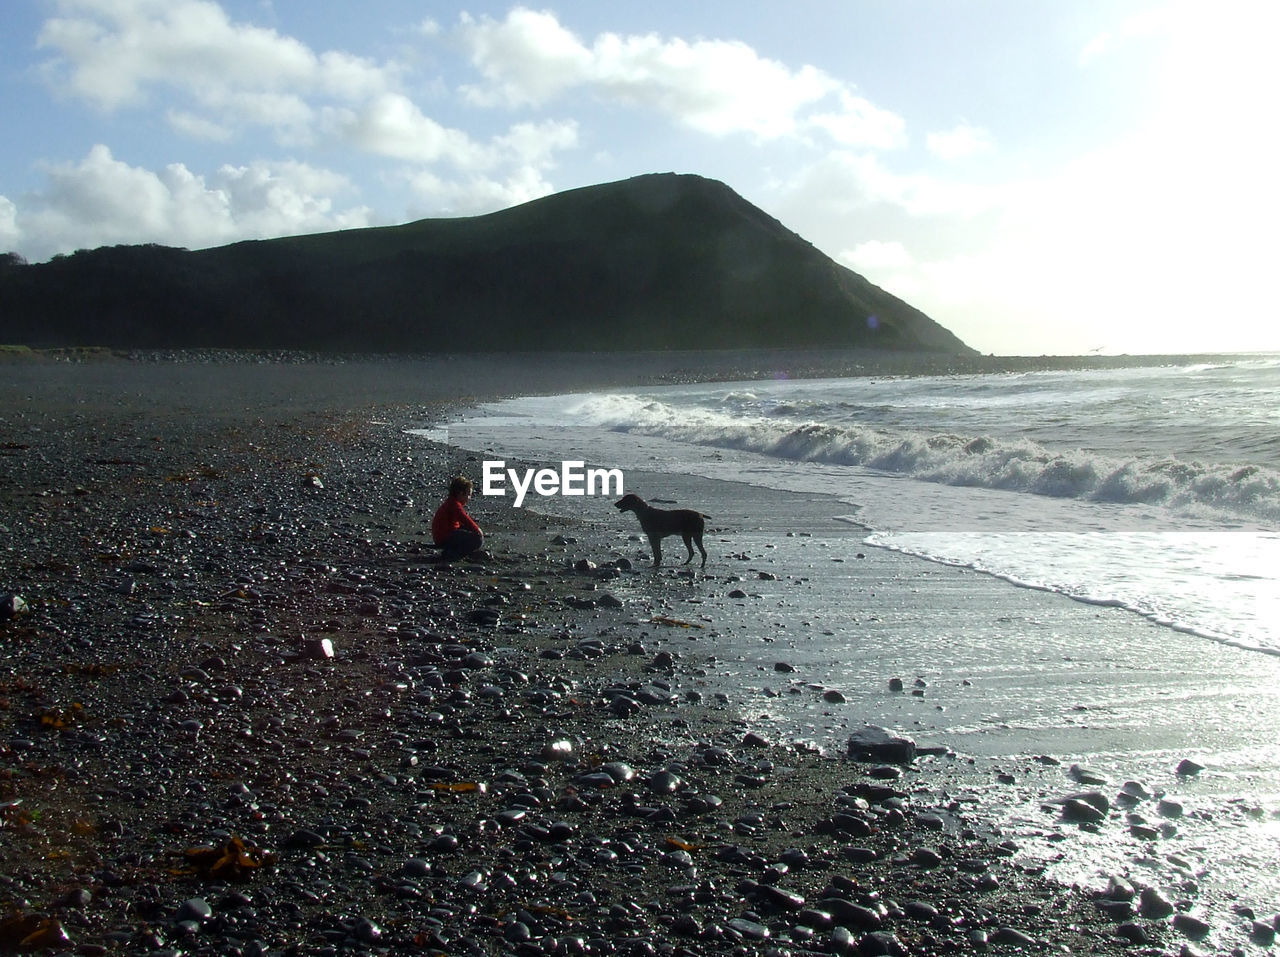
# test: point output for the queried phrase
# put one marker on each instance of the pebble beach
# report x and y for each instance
(244, 709)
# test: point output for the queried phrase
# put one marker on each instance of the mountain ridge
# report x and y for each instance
(659, 261)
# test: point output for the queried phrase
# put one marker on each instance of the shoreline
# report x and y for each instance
(632, 367)
(1036, 695)
(185, 550)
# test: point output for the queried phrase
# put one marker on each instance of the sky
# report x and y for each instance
(1039, 176)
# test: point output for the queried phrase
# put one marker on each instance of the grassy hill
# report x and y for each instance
(662, 261)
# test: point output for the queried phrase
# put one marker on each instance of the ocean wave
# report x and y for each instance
(1234, 492)
(1186, 621)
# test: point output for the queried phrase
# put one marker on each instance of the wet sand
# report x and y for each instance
(187, 533)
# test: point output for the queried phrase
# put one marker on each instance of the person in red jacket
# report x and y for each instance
(452, 528)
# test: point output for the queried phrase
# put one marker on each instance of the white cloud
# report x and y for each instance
(717, 87)
(712, 86)
(228, 77)
(958, 143)
(474, 195)
(117, 53)
(198, 127)
(289, 116)
(535, 144)
(877, 255)
(860, 123)
(392, 125)
(9, 236)
(103, 201)
(847, 182)
(112, 51)
(1145, 23)
(232, 76)
(528, 59)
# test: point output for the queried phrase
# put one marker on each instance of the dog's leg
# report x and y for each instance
(698, 540)
(688, 543)
(656, 544)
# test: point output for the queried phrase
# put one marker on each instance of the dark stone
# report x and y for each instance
(196, 909)
(1133, 933)
(686, 925)
(1190, 926)
(11, 606)
(1081, 811)
(880, 944)
(816, 919)
(779, 897)
(317, 649)
(925, 857)
(1012, 937)
(920, 910)
(1262, 933)
(848, 914)
(665, 782)
(303, 840)
(1086, 775)
(367, 931)
(750, 929)
(875, 744)
(1153, 904)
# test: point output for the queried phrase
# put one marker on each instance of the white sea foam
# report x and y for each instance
(1231, 492)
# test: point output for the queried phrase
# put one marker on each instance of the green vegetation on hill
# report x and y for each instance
(655, 262)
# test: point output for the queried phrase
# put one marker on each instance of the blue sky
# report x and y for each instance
(1040, 176)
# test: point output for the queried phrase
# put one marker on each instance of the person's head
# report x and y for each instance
(460, 488)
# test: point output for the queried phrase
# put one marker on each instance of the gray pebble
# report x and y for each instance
(1191, 926)
(1153, 904)
(195, 909)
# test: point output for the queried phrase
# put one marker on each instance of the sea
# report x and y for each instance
(1154, 488)
(1145, 496)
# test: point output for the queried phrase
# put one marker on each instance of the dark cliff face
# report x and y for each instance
(655, 262)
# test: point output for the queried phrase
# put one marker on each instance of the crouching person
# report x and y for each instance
(453, 529)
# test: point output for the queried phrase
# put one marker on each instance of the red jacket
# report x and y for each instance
(450, 517)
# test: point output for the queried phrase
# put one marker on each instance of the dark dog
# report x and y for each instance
(658, 523)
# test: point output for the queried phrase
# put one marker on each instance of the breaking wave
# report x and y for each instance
(1235, 493)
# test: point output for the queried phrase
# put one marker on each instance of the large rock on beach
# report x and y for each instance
(878, 745)
(1187, 768)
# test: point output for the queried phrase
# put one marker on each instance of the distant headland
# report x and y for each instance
(656, 262)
